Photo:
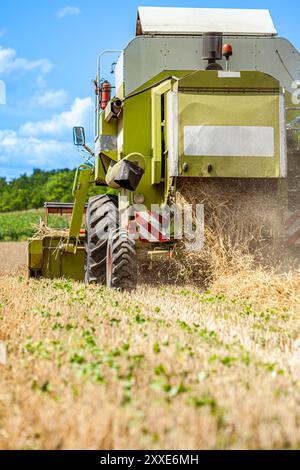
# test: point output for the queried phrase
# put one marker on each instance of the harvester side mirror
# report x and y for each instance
(79, 136)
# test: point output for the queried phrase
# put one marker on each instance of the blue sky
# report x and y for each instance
(48, 55)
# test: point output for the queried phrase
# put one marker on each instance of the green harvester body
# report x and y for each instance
(186, 121)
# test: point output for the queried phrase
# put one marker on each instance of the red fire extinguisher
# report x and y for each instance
(105, 94)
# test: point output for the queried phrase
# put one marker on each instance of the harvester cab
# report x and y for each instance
(199, 94)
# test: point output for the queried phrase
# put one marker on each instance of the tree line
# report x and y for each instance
(31, 191)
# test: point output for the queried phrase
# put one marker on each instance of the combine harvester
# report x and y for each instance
(198, 93)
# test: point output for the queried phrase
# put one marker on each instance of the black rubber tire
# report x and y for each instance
(102, 216)
(121, 270)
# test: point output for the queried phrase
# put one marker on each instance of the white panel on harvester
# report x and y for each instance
(229, 141)
(195, 21)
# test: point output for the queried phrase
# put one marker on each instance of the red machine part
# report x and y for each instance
(151, 227)
(227, 51)
(105, 94)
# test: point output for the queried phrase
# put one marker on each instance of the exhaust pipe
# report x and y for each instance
(212, 50)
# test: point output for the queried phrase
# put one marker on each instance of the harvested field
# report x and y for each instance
(12, 257)
(169, 366)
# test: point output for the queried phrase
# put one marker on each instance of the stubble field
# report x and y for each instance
(165, 367)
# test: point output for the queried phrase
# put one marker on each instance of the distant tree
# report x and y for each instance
(30, 192)
(3, 183)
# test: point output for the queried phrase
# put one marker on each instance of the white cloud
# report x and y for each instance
(79, 114)
(45, 144)
(9, 62)
(51, 99)
(68, 11)
(2, 92)
(35, 152)
(21, 154)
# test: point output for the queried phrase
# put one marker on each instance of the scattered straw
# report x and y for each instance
(243, 226)
(41, 230)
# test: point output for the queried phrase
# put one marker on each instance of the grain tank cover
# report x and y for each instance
(195, 21)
